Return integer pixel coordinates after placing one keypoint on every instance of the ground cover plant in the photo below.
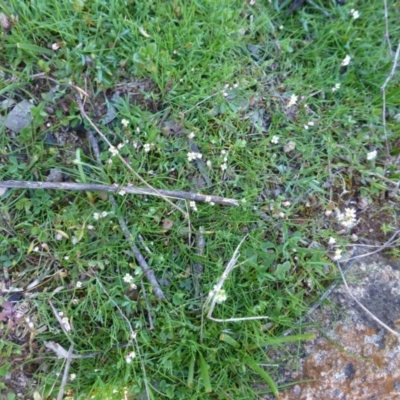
(281, 115)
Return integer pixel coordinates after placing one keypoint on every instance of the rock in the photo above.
(352, 356)
(19, 117)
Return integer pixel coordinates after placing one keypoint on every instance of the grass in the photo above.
(181, 55)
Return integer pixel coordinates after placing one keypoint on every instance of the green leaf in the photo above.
(230, 340)
(267, 378)
(204, 374)
(191, 371)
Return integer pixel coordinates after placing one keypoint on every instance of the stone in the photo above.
(19, 117)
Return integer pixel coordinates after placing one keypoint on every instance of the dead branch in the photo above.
(117, 189)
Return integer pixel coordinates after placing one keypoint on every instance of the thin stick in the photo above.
(117, 189)
(64, 380)
(147, 271)
(383, 90)
(387, 37)
(364, 308)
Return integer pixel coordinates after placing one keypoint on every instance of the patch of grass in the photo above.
(225, 71)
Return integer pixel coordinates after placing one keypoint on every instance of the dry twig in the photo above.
(116, 189)
(364, 308)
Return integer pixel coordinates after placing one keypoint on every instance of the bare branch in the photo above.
(115, 189)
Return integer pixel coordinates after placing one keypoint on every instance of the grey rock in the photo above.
(19, 117)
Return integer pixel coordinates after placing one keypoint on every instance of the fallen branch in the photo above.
(117, 189)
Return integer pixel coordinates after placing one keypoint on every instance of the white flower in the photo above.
(133, 286)
(192, 205)
(113, 151)
(129, 357)
(147, 147)
(194, 156)
(331, 241)
(224, 167)
(219, 295)
(72, 377)
(122, 192)
(293, 100)
(124, 123)
(286, 203)
(103, 214)
(346, 61)
(120, 146)
(78, 284)
(275, 139)
(310, 123)
(338, 255)
(336, 87)
(354, 13)
(74, 240)
(128, 278)
(191, 135)
(348, 218)
(223, 152)
(66, 324)
(55, 46)
(208, 199)
(109, 161)
(209, 163)
(372, 155)
(59, 236)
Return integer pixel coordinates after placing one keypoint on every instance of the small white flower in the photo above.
(306, 127)
(191, 135)
(194, 156)
(208, 199)
(346, 61)
(72, 377)
(354, 13)
(192, 205)
(372, 155)
(338, 255)
(74, 240)
(219, 295)
(286, 203)
(78, 284)
(225, 94)
(293, 100)
(147, 147)
(129, 357)
(244, 201)
(120, 146)
(348, 218)
(223, 152)
(128, 278)
(90, 227)
(236, 85)
(66, 324)
(103, 214)
(275, 139)
(124, 123)
(328, 213)
(66, 258)
(224, 167)
(55, 46)
(209, 164)
(280, 27)
(133, 286)
(109, 161)
(336, 87)
(59, 236)
(310, 123)
(113, 150)
(122, 192)
(331, 241)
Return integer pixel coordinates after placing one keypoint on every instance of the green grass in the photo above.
(187, 52)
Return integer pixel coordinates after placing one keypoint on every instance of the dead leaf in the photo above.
(143, 32)
(167, 224)
(5, 23)
(289, 146)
